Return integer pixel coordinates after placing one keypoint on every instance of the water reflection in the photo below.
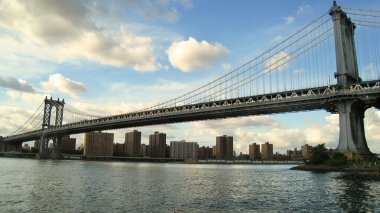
(356, 196)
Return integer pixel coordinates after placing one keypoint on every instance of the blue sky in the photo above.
(111, 57)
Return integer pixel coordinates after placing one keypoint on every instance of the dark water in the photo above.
(78, 186)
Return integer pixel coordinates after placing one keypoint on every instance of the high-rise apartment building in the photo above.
(98, 144)
(167, 151)
(267, 151)
(132, 143)
(118, 149)
(144, 150)
(157, 145)
(205, 152)
(224, 147)
(294, 154)
(183, 149)
(254, 151)
(306, 151)
(68, 144)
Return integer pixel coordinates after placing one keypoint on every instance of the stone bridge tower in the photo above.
(44, 152)
(351, 109)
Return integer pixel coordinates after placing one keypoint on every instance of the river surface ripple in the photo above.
(88, 186)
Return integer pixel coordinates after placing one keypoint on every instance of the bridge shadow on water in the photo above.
(356, 197)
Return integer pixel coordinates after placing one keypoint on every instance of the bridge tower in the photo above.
(351, 111)
(46, 124)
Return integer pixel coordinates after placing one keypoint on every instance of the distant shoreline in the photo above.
(155, 160)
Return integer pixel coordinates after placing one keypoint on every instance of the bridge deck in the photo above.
(290, 101)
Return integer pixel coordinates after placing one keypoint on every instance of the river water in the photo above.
(28, 185)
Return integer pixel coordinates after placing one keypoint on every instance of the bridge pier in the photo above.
(43, 148)
(44, 151)
(56, 152)
(352, 139)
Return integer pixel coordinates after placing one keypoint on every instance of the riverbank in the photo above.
(156, 160)
(349, 172)
(344, 168)
(17, 155)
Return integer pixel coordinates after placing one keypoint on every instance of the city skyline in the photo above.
(66, 64)
(98, 143)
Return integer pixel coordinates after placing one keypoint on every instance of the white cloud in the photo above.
(283, 138)
(251, 121)
(303, 9)
(23, 98)
(193, 55)
(321, 134)
(147, 94)
(58, 82)
(11, 119)
(16, 84)
(327, 134)
(30, 63)
(103, 109)
(125, 50)
(247, 130)
(371, 126)
(278, 62)
(289, 20)
(67, 30)
(226, 67)
(333, 119)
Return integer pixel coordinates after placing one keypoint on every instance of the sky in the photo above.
(113, 57)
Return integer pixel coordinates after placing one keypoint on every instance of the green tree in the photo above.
(319, 155)
(337, 159)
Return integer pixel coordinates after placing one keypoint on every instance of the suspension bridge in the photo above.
(332, 63)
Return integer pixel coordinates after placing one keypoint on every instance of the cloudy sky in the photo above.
(112, 57)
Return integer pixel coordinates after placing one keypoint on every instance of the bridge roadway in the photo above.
(290, 101)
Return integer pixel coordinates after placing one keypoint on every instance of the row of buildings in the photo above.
(267, 153)
(102, 144)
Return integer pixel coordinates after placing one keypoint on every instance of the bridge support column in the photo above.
(44, 152)
(43, 149)
(54, 152)
(351, 123)
(346, 61)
